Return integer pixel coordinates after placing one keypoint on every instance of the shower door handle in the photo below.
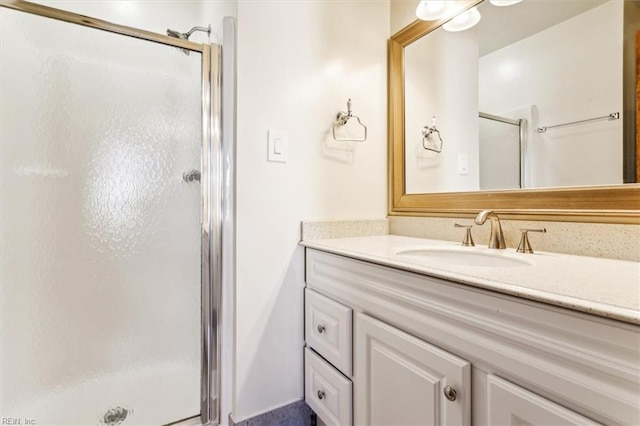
(190, 176)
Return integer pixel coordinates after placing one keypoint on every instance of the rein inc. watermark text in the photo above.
(16, 421)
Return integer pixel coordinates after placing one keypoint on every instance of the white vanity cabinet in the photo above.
(416, 339)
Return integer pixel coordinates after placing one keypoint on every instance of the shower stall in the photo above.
(110, 226)
(503, 152)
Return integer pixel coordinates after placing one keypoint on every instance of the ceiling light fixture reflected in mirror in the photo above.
(504, 2)
(431, 10)
(463, 21)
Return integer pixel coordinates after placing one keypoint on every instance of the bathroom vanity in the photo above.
(410, 331)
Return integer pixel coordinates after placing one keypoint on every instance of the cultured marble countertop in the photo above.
(604, 287)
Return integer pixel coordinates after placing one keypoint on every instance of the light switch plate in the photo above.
(277, 148)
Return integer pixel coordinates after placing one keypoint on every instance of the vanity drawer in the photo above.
(328, 330)
(327, 392)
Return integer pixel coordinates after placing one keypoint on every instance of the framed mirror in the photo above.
(531, 112)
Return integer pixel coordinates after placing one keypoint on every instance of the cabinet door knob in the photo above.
(321, 328)
(320, 394)
(450, 393)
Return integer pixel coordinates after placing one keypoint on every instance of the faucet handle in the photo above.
(525, 246)
(468, 239)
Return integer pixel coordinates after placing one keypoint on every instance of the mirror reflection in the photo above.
(513, 95)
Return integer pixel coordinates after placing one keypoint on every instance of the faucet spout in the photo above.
(496, 237)
(483, 216)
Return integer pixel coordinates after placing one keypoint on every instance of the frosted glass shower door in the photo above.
(499, 155)
(100, 234)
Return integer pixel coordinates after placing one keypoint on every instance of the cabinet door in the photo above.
(509, 404)
(401, 380)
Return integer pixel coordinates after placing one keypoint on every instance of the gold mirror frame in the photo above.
(605, 204)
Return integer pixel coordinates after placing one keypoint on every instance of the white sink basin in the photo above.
(469, 257)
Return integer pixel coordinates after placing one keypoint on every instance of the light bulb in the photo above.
(504, 2)
(431, 10)
(464, 21)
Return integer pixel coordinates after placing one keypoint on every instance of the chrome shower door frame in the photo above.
(211, 192)
(211, 233)
(522, 135)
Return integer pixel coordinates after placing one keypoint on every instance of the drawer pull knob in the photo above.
(321, 328)
(320, 394)
(450, 393)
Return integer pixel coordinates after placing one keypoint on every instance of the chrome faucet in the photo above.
(496, 238)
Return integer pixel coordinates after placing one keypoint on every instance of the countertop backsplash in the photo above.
(612, 241)
(323, 229)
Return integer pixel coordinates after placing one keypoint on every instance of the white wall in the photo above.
(403, 12)
(570, 72)
(441, 80)
(298, 62)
